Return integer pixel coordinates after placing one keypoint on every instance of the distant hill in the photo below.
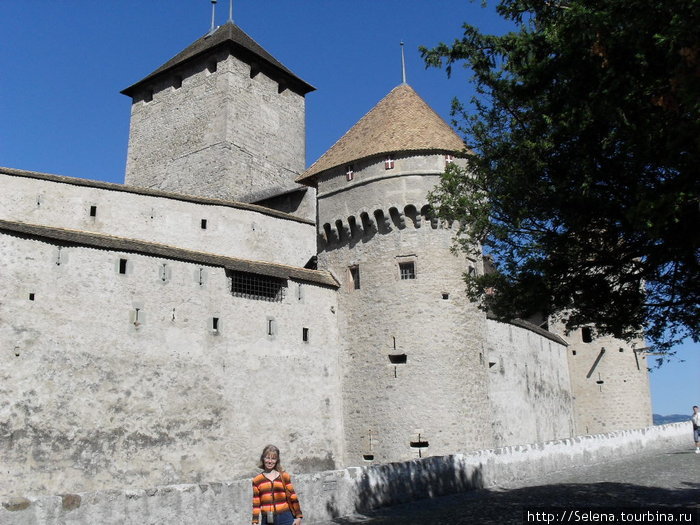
(673, 418)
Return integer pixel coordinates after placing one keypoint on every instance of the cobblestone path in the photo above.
(670, 479)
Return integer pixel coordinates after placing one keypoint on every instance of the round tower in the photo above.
(414, 372)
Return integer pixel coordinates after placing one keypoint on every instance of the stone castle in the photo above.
(225, 297)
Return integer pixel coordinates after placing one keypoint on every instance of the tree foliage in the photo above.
(582, 179)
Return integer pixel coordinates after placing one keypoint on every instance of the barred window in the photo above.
(408, 270)
(256, 286)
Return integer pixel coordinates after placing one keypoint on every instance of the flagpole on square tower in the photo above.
(213, 15)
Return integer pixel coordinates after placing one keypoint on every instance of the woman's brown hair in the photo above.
(267, 450)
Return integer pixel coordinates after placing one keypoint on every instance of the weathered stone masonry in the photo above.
(162, 332)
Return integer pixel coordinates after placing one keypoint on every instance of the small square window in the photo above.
(349, 173)
(407, 270)
(389, 162)
(354, 272)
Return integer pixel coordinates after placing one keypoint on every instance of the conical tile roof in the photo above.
(401, 121)
(238, 42)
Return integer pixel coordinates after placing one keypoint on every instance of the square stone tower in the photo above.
(222, 119)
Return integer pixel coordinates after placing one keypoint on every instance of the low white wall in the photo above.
(334, 493)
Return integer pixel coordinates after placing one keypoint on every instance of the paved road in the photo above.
(670, 479)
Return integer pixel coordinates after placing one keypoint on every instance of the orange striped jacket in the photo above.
(272, 496)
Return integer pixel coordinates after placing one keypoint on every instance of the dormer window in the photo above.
(389, 162)
(449, 159)
(349, 173)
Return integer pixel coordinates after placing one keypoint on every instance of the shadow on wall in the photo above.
(395, 483)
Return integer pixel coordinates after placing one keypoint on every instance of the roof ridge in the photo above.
(229, 33)
(151, 192)
(105, 240)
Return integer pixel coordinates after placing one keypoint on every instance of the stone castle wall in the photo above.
(609, 382)
(246, 232)
(216, 129)
(529, 386)
(414, 380)
(117, 379)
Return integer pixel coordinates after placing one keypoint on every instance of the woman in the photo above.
(274, 498)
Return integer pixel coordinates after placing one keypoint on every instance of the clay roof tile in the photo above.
(401, 121)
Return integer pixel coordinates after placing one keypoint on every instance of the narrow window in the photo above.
(407, 270)
(305, 335)
(31, 296)
(389, 162)
(587, 334)
(215, 324)
(349, 173)
(203, 224)
(122, 266)
(164, 272)
(271, 327)
(93, 211)
(354, 277)
(368, 457)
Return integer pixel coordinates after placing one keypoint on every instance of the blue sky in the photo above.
(64, 62)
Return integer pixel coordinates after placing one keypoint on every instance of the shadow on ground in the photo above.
(506, 506)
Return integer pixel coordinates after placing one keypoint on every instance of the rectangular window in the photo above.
(354, 272)
(122, 266)
(203, 224)
(215, 324)
(407, 270)
(93, 211)
(349, 173)
(587, 334)
(389, 162)
(256, 286)
(305, 335)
